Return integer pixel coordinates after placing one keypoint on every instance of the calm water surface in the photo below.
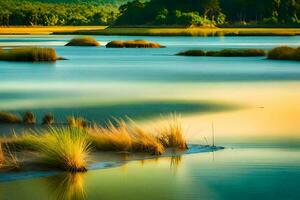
(253, 103)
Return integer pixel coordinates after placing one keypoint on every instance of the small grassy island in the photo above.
(69, 146)
(225, 53)
(83, 41)
(284, 53)
(133, 44)
(29, 54)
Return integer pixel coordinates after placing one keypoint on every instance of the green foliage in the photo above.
(13, 12)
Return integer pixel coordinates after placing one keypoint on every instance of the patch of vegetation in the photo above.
(48, 119)
(83, 41)
(29, 118)
(69, 147)
(192, 53)
(78, 122)
(133, 44)
(123, 137)
(237, 53)
(225, 53)
(29, 54)
(6, 117)
(65, 148)
(8, 161)
(284, 53)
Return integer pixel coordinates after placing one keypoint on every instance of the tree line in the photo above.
(18, 12)
(200, 12)
(144, 12)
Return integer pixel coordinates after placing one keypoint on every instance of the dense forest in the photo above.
(22, 12)
(152, 12)
(200, 12)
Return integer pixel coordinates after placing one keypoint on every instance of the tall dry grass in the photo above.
(83, 41)
(6, 117)
(32, 54)
(133, 44)
(131, 137)
(65, 148)
(8, 161)
(172, 136)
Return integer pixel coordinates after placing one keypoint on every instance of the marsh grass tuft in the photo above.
(8, 161)
(6, 117)
(284, 53)
(83, 41)
(32, 54)
(48, 119)
(172, 136)
(133, 44)
(124, 137)
(29, 118)
(78, 122)
(65, 148)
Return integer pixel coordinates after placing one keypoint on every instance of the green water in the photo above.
(253, 103)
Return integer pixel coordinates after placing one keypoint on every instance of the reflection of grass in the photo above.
(68, 186)
(83, 41)
(29, 54)
(195, 31)
(132, 44)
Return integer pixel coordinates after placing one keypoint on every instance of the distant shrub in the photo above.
(29, 54)
(284, 53)
(6, 117)
(192, 53)
(133, 44)
(237, 53)
(83, 41)
(29, 118)
(48, 119)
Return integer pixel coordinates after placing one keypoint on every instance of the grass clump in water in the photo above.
(8, 161)
(78, 122)
(29, 54)
(29, 118)
(124, 137)
(83, 41)
(192, 53)
(171, 136)
(133, 44)
(284, 53)
(225, 53)
(6, 117)
(65, 148)
(48, 119)
(237, 53)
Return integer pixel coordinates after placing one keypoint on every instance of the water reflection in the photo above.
(67, 186)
